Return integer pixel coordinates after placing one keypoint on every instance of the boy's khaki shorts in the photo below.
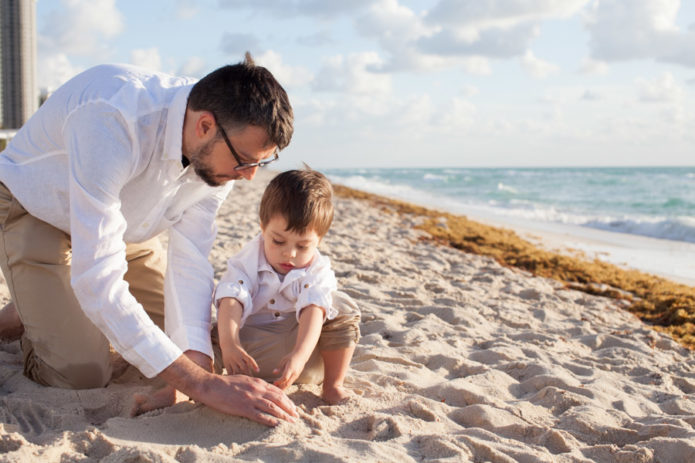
(269, 343)
(60, 344)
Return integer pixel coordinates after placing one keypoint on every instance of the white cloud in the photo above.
(192, 67)
(457, 116)
(477, 65)
(54, 71)
(485, 14)
(644, 29)
(390, 21)
(81, 27)
(591, 95)
(186, 9)
(493, 28)
(284, 8)
(236, 44)
(491, 42)
(537, 67)
(317, 39)
(663, 89)
(351, 74)
(592, 66)
(469, 90)
(288, 76)
(147, 58)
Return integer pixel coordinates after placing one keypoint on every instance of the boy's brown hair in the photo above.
(303, 197)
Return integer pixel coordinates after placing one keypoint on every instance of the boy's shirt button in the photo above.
(306, 285)
(272, 301)
(241, 282)
(277, 314)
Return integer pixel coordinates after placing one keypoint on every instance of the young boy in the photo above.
(277, 303)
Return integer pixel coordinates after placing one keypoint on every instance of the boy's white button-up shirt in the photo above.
(101, 160)
(266, 298)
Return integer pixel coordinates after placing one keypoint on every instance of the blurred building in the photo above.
(18, 91)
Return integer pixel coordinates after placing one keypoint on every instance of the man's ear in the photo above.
(205, 123)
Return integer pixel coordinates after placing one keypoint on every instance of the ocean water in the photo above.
(657, 202)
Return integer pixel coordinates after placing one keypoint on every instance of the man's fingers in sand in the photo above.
(260, 395)
(269, 410)
(279, 400)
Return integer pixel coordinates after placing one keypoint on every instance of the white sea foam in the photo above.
(677, 229)
(506, 188)
(434, 178)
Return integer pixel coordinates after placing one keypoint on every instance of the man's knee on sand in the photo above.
(88, 373)
(74, 376)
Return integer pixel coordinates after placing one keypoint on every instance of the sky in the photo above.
(417, 83)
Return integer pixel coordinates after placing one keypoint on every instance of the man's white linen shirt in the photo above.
(103, 155)
(265, 297)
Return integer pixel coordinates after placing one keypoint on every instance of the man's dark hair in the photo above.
(243, 94)
(303, 197)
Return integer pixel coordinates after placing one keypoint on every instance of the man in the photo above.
(113, 158)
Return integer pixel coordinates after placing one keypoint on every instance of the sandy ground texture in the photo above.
(460, 360)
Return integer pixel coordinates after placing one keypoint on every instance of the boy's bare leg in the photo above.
(11, 327)
(335, 366)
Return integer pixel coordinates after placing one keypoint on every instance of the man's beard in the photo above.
(198, 160)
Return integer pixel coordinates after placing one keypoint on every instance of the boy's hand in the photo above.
(289, 369)
(237, 361)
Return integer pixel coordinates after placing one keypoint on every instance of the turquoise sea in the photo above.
(657, 202)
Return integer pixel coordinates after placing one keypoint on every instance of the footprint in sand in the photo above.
(92, 444)
(374, 428)
(420, 410)
(31, 418)
(10, 441)
(439, 448)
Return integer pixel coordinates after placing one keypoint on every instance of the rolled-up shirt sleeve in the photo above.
(188, 285)
(238, 284)
(97, 227)
(316, 288)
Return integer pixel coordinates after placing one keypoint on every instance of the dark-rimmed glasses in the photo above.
(245, 165)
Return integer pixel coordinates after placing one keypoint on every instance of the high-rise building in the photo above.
(18, 92)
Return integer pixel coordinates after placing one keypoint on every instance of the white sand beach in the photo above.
(461, 360)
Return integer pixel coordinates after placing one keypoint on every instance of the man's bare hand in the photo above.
(238, 395)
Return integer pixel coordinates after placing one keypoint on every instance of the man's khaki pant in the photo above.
(61, 346)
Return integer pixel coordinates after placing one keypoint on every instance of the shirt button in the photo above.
(272, 301)
(241, 282)
(306, 285)
(277, 314)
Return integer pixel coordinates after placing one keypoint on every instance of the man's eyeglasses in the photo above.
(245, 165)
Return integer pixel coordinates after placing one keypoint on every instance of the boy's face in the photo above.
(286, 250)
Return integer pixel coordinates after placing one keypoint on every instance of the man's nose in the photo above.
(249, 173)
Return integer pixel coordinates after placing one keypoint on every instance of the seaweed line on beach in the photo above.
(667, 306)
